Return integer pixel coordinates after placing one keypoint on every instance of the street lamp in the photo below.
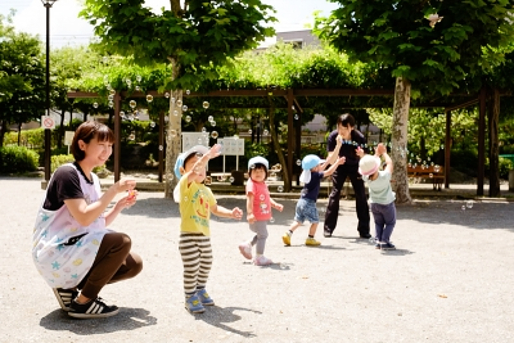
(48, 135)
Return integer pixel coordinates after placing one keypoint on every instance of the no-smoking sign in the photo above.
(47, 122)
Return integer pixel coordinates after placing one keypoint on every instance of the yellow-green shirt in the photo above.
(195, 205)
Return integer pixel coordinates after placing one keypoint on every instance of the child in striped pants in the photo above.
(196, 202)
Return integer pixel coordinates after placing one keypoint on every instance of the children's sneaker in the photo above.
(286, 238)
(65, 296)
(262, 261)
(246, 250)
(387, 246)
(194, 305)
(312, 242)
(205, 299)
(95, 308)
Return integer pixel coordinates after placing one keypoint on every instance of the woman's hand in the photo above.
(129, 200)
(125, 184)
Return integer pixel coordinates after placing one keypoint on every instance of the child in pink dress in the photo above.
(258, 206)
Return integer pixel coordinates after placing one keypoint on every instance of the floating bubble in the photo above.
(213, 123)
(469, 204)
(188, 119)
(298, 162)
(111, 104)
(167, 95)
(231, 179)
(95, 105)
(464, 207)
(166, 119)
(138, 88)
(278, 167)
(138, 78)
(152, 124)
(173, 133)
(171, 177)
(205, 104)
(296, 117)
(122, 114)
(132, 136)
(175, 113)
(173, 99)
(184, 108)
(149, 98)
(210, 118)
(161, 148)
(132, 103)
(109, 87)
(272, 220)
(250, 131)
(129, 82)
(214, 134)
(280, 189)
(208, 180)
(112, 92)
(430, 175)
(188, 92)
(204, 130)
(179, 103)
(437, 168)
(110, 97)
(265, 132)
(442, 146)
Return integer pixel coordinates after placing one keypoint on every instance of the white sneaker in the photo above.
(246, 250)
(262, 261)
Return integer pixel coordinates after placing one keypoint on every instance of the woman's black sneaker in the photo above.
(65, 296)
(95, 308)
(387, 246)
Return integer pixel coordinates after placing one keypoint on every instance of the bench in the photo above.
(433, 173)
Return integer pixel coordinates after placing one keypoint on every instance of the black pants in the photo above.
(361, 202)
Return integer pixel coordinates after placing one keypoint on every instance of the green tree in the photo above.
(191, 38)
(437, 45)
(22, 77)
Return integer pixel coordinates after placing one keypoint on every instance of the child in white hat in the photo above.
(258, 206)
(312, 174)
(381, 195)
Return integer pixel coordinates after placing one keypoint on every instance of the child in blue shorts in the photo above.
(313, 172)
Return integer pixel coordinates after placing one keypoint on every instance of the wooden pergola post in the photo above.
(481, 141)
(290, 137)
(447, 149)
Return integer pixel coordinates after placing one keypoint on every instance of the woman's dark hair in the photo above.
(257, 166)
(88, 131)
(345, 120)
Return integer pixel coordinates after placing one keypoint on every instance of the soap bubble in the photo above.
(298, 162)
(231, 179)
(210, 118)
(280, 189)
(95, 105)
(132, 103)
(205, 104)
(149, 98)
(188, 119)
(469, 204)
(214, 134)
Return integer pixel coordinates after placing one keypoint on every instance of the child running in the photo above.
(381, 195)
(258, 206)
(313, 172)
(196, 202)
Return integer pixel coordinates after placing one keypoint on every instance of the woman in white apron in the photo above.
(73, 249)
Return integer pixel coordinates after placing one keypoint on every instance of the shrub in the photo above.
(59, 160)
(18, 159)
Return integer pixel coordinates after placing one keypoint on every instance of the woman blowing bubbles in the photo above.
(73, 249)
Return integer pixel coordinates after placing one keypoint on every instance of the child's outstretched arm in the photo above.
(213, 152)
(333, 167)
(221, 211)
(381, 151)
(276, 205)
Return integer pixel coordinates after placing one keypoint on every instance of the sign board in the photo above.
(68, 137)
(190, 139)
(232, 146)
(47, 122)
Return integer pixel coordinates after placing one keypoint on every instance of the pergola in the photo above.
(294, 141)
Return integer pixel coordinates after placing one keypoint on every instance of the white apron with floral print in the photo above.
(59, 252)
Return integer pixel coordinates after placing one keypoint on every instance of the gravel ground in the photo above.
(449, 281)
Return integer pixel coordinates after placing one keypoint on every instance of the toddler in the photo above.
(196, 202)
(258, 206)
(381, 195)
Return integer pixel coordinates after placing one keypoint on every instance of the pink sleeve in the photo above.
(250, 187)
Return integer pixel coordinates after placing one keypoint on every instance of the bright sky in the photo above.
(67, 28)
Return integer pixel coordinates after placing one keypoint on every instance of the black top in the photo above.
(64, 185)
(348, 149)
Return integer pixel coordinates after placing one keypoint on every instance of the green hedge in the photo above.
(18, 159)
